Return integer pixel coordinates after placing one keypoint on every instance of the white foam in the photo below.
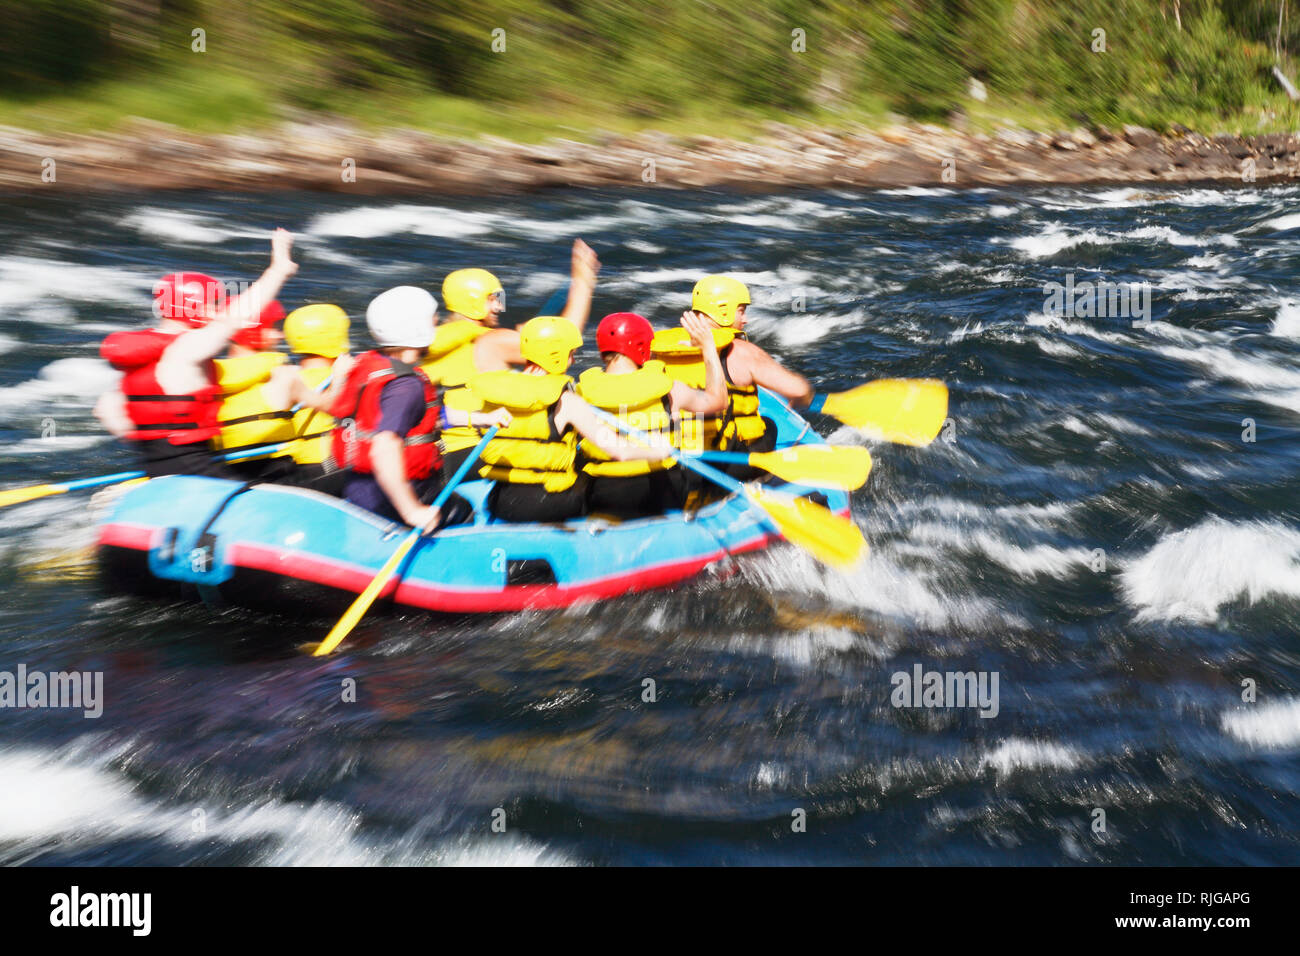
(918, 191)
(1291, 221)
(371, 222)
(82, 379)
(807, 648)
(1001, 212)
(1287, 321)
(1265, 380)
(1056, 238)
(74, 799)
(1267, 726)
(792, 331)
(1016, 753)
(186, 228)
(782, 212)
(878, 584)
(55, 444)
(1026, 561)
(1025, 514)
(30, 284)
(1190, 574)
(966, 330)
(646, 248)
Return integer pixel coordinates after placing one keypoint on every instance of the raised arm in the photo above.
(574, 411)
(211, 340)
(713, 399)
(773, 376)
(583, 269)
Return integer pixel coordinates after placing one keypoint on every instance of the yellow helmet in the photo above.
(467, 291)
(718, 297)
(549, 341)
(317, 330)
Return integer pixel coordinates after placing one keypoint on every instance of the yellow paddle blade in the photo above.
(828, 537)
(16, 496)
(844, 467)
(366, 598)
(906, 411)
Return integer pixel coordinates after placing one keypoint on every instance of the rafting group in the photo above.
(206, 386)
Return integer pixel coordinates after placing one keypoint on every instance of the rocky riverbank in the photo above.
(339, 158)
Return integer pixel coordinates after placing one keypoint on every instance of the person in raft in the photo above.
(273, 402)
(534, 458)
(636, 389)
(317, 336)
(471, 340)
(722, 302)
(388, 417)
(168, 403)
(246, 418)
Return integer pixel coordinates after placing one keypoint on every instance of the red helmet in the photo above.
(189, 297)
(627, 334)
(254, 336)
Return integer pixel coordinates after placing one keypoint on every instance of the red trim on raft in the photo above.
(122, 534)
(347, 576)
(350, 577)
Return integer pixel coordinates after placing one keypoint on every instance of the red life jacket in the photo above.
(180, 419)
(359, 402)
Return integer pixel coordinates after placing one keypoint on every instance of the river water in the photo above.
(1108, 526)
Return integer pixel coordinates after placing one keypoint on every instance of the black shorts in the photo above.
(160, 457)
(509, 502)
(635, 496)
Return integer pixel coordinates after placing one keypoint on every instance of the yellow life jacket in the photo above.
(739, 421)
(639, 399)
(449, 363)
(246, 419)
(311, 426)
(528, 451)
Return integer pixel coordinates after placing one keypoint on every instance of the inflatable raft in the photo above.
(270, 545)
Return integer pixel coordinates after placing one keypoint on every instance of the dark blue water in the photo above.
(1108, 525)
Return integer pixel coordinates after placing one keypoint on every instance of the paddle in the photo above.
(905, 411)
(843, 467)
(828, 537)
(16, 496)
(367, 597)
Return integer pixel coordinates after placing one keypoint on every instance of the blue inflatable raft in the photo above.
(288, 546)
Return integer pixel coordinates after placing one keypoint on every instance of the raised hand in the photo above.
(584, 264)
(281, 247)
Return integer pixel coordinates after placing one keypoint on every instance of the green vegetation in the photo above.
(575, 67)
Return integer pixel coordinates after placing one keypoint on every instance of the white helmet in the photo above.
(403, 317)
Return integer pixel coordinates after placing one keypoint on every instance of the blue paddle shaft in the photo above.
(736, 457)
(465, 466)
(101, 480)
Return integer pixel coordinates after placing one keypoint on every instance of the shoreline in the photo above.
(335, 157)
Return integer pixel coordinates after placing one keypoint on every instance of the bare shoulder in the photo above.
(743, 359)
(496, 349)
